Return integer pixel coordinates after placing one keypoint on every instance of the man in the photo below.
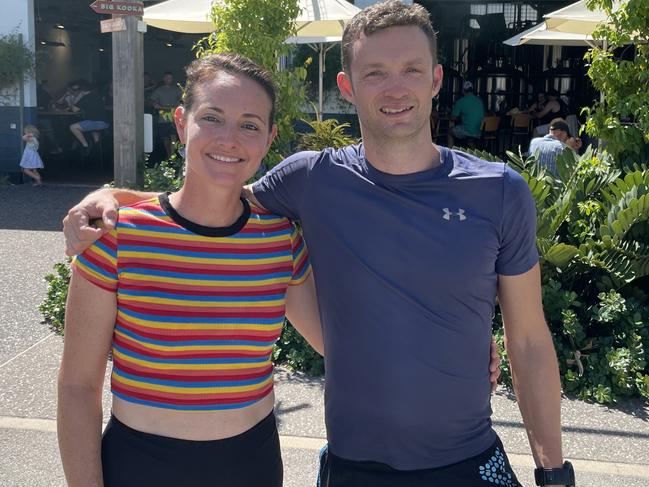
(467, 116)
(550, 146)
(165, 98)
(410, 243)
(95, 117)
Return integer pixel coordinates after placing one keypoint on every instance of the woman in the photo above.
(554, 108)
(189, 293)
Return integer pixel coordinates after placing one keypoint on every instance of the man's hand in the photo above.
(79, 234)
(574, 143)
(494, 365)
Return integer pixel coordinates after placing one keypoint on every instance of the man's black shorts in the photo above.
(489, 468)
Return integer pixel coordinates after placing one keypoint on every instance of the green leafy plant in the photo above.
(326, 133)
(592, 231)
(167, 175)
(619, 69)
(17, 61)
(53, 306)
(293, 351)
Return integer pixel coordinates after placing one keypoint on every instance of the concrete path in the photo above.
(609, 446)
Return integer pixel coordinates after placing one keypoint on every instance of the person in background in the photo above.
(467, 116)
(553, 108)
(166, 98)
(95, 117)
(31, 162)
(539, 104)
(548, 147)
(72, 95)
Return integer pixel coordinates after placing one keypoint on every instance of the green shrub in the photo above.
(326, 133)
(53, 306)
(293, 351)
(165, 176)
(593, 241)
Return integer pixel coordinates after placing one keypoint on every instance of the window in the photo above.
(511, 12)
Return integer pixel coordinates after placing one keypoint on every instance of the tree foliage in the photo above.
(257, 29)
(622, 119)
(17, 61)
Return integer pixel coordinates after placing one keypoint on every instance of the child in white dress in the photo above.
(31, 162)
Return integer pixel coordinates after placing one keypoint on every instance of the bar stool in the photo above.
(489, 133)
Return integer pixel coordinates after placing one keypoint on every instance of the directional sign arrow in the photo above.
(118, 8)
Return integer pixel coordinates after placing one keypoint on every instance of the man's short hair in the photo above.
(381, 16)
(467, 86)
(560, 124)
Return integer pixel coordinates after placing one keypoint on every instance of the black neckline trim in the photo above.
(236, 227)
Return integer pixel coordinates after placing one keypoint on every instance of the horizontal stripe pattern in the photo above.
(197, 316)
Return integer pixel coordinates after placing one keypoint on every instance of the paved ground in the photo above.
(609, 446)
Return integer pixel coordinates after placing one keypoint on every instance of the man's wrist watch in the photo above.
(555, 476)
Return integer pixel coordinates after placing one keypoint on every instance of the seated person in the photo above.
(469, 111)
(72, 95)
(553, 108)
(95, 117)
(539, 104)
(550, 146)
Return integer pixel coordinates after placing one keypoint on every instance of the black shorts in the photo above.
(132, 458)
(489, 468)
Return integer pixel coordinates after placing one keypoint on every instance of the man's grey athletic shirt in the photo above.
(406, 271)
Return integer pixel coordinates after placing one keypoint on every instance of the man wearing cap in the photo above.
(468, 111)
(549, 146)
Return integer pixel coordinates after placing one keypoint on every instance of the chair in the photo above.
(521, 123)
(489, 133)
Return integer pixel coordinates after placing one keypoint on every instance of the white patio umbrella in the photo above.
(541, 35)
(320, 22)
(188, 16)
(577, 18)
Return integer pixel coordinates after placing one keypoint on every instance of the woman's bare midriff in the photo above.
(192, 425)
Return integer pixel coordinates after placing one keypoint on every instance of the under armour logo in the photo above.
(459, 213)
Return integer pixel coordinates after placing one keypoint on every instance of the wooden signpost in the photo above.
(118, 8)
(128, 87)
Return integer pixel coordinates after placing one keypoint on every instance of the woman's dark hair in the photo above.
(208, 66)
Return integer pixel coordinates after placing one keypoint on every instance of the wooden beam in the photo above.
(128, 104)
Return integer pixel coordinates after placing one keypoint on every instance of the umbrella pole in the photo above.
(320, 76)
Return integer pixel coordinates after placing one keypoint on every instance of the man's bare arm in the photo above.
(535, 371)
(303, 313)
(80, 233)
(103, 203)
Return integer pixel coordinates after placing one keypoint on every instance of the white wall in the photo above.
(18, 16)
